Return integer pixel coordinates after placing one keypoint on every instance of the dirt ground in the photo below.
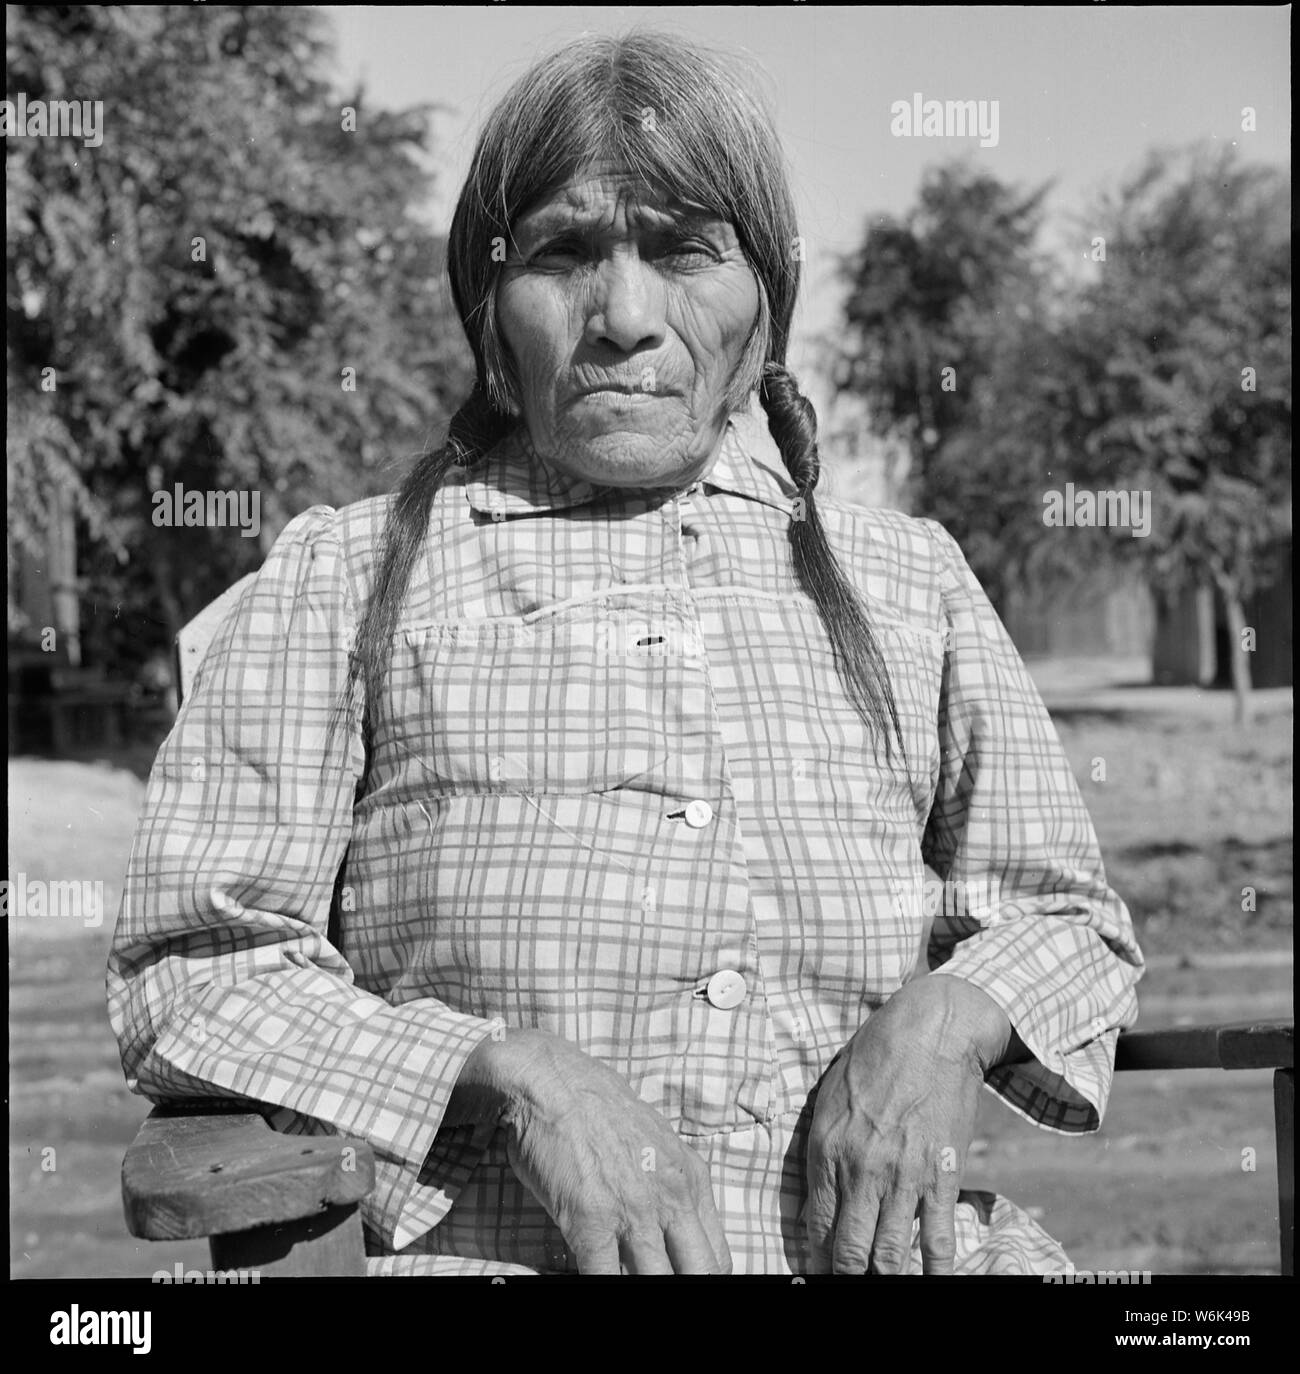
(1191, 811)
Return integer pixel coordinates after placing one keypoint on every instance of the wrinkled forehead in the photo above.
(605, 196)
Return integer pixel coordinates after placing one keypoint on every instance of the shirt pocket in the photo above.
(558, 704)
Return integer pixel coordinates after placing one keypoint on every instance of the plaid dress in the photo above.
(614, 789)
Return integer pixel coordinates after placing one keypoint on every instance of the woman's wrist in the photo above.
(495, 1078)
(964, 1017)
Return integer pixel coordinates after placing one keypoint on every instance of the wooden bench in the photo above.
(288, 1205)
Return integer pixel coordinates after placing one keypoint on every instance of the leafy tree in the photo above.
(944, 316)
(198, 283)
(1165, 371)
(1188, 324)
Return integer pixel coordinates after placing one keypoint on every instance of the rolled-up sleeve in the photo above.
(222, 981)
(1026, 913)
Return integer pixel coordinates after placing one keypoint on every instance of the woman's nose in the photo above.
(628, 307)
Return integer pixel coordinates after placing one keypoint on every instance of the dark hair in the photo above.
(713, 144)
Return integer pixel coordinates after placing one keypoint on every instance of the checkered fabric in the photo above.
(612, 759)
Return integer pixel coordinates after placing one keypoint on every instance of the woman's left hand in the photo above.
(893, 1120)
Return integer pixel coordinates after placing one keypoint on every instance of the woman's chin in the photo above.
(625, 459)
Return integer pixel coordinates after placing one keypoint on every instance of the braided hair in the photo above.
(859, 662)
(677, 115)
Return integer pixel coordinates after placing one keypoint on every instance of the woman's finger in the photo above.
(689, 1247)
(643, 1251)
(595, 1250)
(820, 1213)
(712, 1224)
(939, 1232)
(855, 1222)
(891, 1247)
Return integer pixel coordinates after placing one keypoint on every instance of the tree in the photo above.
(945, 317)
(1191, 313)
(198, 284)
(1165, 373)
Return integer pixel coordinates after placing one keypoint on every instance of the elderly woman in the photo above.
(559, 825)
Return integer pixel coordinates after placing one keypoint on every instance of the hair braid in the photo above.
(858, 659)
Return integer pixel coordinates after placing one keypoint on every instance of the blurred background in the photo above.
(1102, 299)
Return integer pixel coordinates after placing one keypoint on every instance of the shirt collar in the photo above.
(513, 480)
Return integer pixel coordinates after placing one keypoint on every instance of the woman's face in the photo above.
(626, 316)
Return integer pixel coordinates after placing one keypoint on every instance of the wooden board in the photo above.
(195, 1172)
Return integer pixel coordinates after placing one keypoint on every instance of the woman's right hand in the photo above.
(626, 1192)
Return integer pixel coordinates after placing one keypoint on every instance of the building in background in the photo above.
(1192, 642)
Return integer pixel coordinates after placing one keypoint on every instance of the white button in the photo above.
(726, 989)
(698, 813)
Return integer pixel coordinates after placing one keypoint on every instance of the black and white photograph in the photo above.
(651, 642)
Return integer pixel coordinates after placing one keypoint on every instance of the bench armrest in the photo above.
(1244, 1045)
(205, 1169)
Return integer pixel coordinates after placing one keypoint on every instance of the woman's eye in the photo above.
(690, 248)
(560, 250)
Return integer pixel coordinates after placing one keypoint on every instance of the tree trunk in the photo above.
(1237, 654)
(61, 567)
